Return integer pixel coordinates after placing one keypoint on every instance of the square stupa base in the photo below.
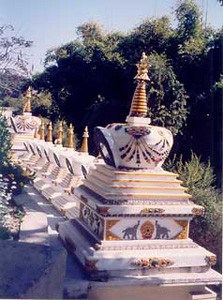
(103, 260)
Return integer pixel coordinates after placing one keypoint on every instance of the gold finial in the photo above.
(142, 66)
(84, 146)
(70, 137)
(60, 134)
(42, 130)
(139, 101)
(49, 137)
(36, 135)
(27, 106)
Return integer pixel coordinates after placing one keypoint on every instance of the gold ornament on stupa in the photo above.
(27, 106)
(49, 137)
(36, 135)
(139, 101)
(60, 134)
(84, 146)
(42, 130)
(70, 137)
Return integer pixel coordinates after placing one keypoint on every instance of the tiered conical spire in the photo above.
(84, 146)
(139, 101)
(60, 134)
(49, 137)
(70, 137)
(42, 130)
(27, 106)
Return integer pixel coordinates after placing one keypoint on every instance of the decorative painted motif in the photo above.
(47, 157)
(25, 123)
(92, 220)
(32, 150)
(136, 148)
(39, 152)
(133, 147)
(153, 263)
(198, 211)
(26, 147)
(161, 231)
(110, 235)
(102, 144)
(84, 171)
(211, 260)
(56, 160)
(69, 166)
(184, 233)
(147, 230)
(147, 210)
(131, 232)
(102, 210)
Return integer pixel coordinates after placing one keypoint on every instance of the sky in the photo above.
(51, 23)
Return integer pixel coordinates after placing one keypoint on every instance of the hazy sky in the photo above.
(50, 23)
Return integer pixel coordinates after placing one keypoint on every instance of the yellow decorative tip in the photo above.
(49, 137)
(27, 106)
(42, 130)
(60, 134)
(70, 137)
(142, 66)
(36, 135)
(139, 101)
(84, 146)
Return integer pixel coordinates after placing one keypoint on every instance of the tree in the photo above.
(13, 61)
(91, 77)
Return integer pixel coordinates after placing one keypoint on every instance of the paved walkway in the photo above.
(38, 226)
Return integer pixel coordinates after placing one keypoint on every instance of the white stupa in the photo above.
(133, 222)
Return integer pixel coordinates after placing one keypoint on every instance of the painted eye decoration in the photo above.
(47, 157)
(69, 166)
(84, 171)
(33, 152)
(39, 152)
(56, 160)
(103, 147)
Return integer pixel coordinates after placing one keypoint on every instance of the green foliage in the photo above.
(167, 96)
(5, 142)
(199, 178)
(16, 177)
(189, 20)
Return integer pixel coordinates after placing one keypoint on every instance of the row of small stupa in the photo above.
(41, 134)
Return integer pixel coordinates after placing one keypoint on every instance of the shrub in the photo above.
(199, 178)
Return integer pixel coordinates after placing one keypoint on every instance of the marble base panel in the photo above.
(151, 257)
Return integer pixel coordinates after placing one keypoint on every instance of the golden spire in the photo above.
(60, 134)
(139, 101)
(70, 137)
(49, 137)
(84, 146)
(42, 130)
(27, 106)
(36, 135)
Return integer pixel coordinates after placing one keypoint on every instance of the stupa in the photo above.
(23, 127)
(133, 219)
